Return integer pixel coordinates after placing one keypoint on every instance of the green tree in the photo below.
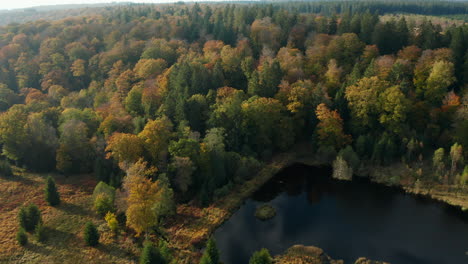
(438, 82)
(91, 235)
(261, 257)
(211, 253)
(151, 255)
(52, 195)
(29, 217)
(22, 237)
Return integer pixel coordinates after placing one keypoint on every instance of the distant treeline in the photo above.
(436, 8)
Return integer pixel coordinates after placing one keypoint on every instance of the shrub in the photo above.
(151, 255)
(211, 254)
(22, 237)
(91, 235)
(112, 222)
(261, 257)
(39, 233)
(29, 217)
(5, 169)
(52, 196)
(103, 204)
(104, 198)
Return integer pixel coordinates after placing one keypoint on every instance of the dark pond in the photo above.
(346, 219)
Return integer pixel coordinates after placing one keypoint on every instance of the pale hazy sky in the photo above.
(10, 4)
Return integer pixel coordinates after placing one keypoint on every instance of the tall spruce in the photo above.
(151, 255)
(91, 235)
(52, 195)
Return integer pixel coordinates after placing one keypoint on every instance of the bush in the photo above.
(39, 233)
(112, 222)
(91, 235)
(29, 217)
(211, 254)
(22, 237)
(5, 169)
(151, 255)
(261, 257)
(104, 198)
(52, 196)
(103, 204)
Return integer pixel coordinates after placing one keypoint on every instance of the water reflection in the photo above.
(347, 220)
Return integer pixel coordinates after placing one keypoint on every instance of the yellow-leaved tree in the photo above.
(147, 200)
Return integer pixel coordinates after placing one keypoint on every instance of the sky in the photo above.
(11, 4)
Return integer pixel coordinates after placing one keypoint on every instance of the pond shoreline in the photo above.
(193, 225)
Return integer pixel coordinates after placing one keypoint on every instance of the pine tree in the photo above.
(261, 257)
(211, 254)
(52, 195)
(29, 217)
(151, 255)
(91, 235)
(22, 237)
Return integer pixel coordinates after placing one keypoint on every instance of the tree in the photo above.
(75, 153)
(52, 195)
(440, 78)
(91, 235)
(456, 156)
(261, 257)
(104, 196)
(211, 253)
(330, 128)
(29, 217)
(341, 170)
(125, 148)
(156, 136)
(393, 107)
(112, 222)
(22, 237)
(151, 255)
(438, 161)
(148, 201)
(362, 99)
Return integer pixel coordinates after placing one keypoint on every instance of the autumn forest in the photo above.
(158, 110)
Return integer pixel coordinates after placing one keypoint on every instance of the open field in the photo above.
(64, 224)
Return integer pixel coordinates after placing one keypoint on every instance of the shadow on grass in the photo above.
(74, 209)
(39, 248)
(19, 178)
(113, 250)
(58, 238)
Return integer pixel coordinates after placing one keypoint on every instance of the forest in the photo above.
(177, 104)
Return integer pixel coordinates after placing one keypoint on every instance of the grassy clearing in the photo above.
(63, 224)
(444, 22)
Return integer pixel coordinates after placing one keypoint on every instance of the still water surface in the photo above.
(346, 219)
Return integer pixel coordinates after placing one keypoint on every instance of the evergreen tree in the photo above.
(29, 217)
(52, 195)
(22, 237)
(91, 235)
(151, 255)
(261, 257)
(211, 254)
